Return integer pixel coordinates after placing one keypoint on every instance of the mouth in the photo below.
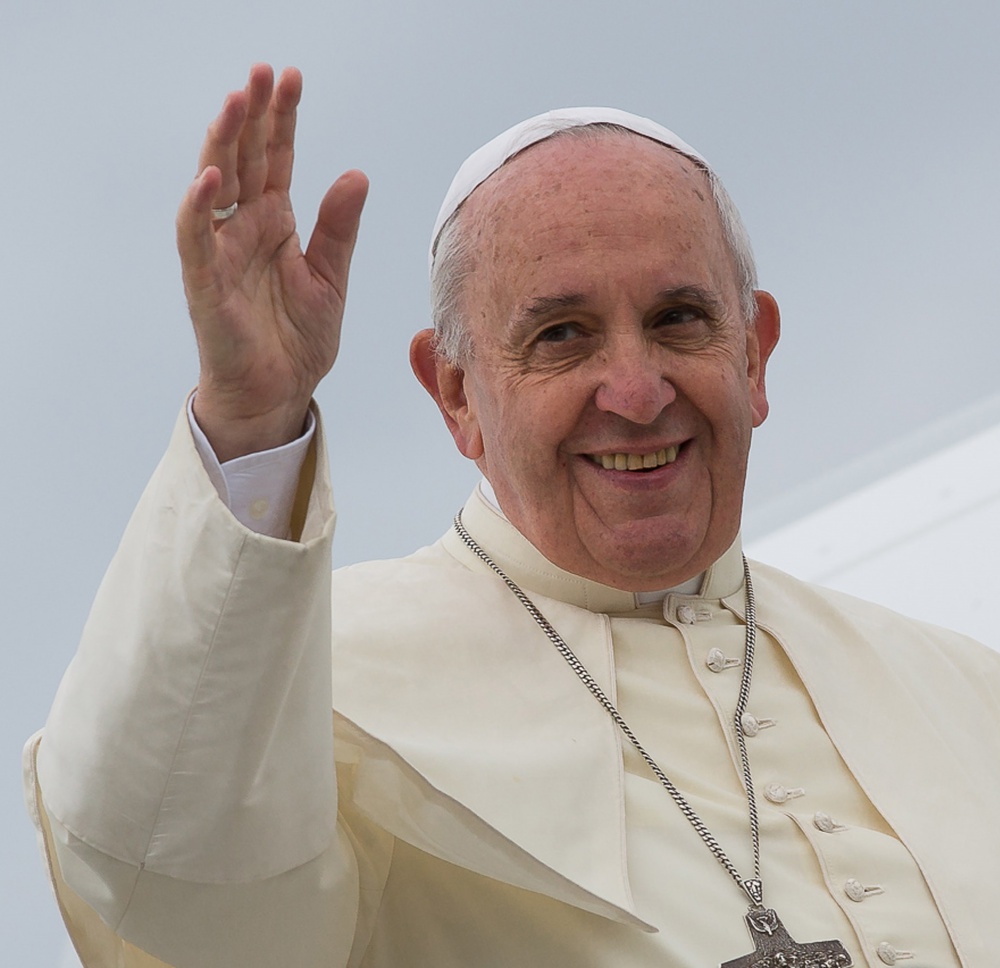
(636, 462)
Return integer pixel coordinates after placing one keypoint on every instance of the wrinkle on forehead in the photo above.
(546, 169)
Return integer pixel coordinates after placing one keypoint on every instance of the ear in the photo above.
(445, 382)
(761, 340)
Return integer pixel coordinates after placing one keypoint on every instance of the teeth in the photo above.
(636, 462)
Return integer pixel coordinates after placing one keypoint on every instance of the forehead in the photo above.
(636, 169)
(561, 200)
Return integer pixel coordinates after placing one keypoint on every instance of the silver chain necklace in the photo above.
(774, 947)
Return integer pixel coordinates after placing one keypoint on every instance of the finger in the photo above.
(221, 146)
(252, 150)
(332, 242)
(195, 234)
(281, 142)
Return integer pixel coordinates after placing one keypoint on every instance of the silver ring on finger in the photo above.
(221, 214)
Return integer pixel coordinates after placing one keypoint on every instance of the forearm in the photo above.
(191, 737)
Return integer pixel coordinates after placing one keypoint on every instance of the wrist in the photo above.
(235, 432)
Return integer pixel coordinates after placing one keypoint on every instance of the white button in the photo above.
(857, 891)
(777, 793)
(826, 823)
(751, 725)
(890, 955)
(259, 508)
(716, 661)
(685, 614)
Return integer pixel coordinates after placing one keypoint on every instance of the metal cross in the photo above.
(776, 948)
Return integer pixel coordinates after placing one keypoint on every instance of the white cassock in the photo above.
(487, 812)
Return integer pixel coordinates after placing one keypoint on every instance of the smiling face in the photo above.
(613, 382)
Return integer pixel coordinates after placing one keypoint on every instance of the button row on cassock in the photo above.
(717, 661)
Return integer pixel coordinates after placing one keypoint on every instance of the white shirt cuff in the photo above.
(258, 488)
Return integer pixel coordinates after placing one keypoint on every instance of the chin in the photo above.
(648, 563)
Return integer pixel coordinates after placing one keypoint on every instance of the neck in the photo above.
(533, 571)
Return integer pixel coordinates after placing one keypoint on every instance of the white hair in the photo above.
(454, 262)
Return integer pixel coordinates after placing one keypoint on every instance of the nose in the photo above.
(632, 383)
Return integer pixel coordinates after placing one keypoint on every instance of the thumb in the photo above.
(195, 235)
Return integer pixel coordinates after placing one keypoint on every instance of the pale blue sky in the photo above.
(859, 139)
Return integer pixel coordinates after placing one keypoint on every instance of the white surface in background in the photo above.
(922, 540)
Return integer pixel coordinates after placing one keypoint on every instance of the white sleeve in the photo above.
(259, 488)
(186, 767)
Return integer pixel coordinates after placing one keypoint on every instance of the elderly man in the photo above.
(578, 730)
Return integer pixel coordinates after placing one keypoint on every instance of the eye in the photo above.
(677, 316)
(559, 333)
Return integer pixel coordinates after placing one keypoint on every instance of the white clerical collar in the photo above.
(690, 587)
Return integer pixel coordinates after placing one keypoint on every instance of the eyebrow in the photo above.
(693, 294)
(543, 306)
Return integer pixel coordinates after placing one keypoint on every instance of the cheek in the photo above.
(503, 438)
(523, 445)
(722, 393)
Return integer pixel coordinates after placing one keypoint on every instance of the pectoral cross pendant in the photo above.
(776, 948)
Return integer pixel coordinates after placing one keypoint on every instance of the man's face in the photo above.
(614, 381)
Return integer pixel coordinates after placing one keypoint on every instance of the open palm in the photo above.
(267, 314)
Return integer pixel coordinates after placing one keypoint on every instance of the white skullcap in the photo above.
(486, 160)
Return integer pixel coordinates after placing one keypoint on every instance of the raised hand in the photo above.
(266, 314)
